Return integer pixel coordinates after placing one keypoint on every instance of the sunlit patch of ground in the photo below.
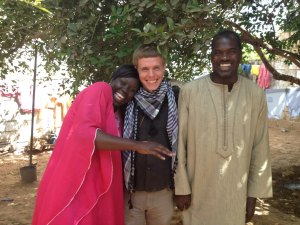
(17, 199)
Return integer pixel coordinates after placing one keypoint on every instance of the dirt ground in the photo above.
(17, 198)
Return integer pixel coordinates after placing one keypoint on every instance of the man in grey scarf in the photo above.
(151, 116)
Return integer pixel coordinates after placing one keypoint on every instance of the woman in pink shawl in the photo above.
(82, 183)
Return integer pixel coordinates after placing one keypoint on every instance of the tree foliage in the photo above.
(95, 36)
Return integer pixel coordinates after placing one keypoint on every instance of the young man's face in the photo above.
(225, 57)
(151, 72)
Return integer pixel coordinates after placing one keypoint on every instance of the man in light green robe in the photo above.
(223, 146)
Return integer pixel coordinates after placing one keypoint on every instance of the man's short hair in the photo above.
(146, 51)
(227, 34)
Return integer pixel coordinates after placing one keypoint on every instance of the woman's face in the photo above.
(124, 89)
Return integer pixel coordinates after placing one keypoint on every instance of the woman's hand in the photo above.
(153, 148)
(106, 141)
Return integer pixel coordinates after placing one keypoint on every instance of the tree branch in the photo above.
(273, 71)
(256, 42)
(94, 30)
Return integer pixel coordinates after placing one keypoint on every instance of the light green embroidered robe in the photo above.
(223, 150)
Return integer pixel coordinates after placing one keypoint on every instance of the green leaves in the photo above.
(72, 29)
(93, 37)
(149, 28)
(170, 23)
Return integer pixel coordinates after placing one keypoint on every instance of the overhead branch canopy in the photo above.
(93, 37)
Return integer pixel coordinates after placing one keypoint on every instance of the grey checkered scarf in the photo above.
(150, 103)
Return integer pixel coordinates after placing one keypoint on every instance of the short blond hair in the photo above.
(146, 51)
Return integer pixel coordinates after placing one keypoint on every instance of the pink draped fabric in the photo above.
(82, 185)
(263, 77)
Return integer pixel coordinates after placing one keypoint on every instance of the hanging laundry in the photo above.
(254, 70)
(263, 77)
(247, 68)
(276, 100)
(293, 101)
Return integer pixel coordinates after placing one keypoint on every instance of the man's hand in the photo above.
(153, 148)
(183, 201)
(250, 208)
